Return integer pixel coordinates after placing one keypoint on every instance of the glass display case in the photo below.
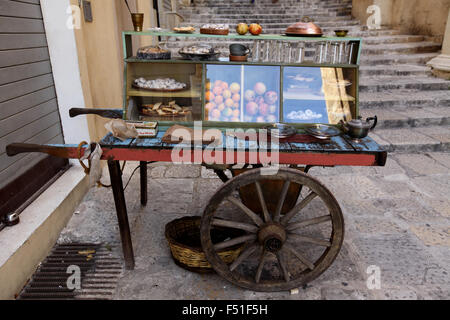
(256, 92)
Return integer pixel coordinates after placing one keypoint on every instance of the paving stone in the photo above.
(158, 172)
(391, 168)
(183, 171)
(408, 140)
(377, 226)
(400, 294)
(437, 186)
(433, 236)
(436, 292)
(442, 158)
(170, 195)
(343, 294)
(440, 133)
(412, 210)
(442, 206)
(343, 270)
(421, 164)
(204, 190)
(393, 255)
(353, 186)
(381, 141)
(210, 174)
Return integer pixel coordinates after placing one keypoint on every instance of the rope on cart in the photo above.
(87, 169)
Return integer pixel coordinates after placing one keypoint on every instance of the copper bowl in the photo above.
(238, 58)
(304, 28)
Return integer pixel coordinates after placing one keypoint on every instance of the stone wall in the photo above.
(424, 17)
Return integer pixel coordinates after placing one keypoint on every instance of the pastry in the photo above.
(153, 53)
(184, 29)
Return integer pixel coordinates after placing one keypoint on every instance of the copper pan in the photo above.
(304, 28)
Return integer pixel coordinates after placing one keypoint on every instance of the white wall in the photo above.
(66, 73)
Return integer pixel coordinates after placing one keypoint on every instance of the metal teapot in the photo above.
(357, 128)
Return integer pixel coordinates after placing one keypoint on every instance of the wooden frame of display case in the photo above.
(130, 59)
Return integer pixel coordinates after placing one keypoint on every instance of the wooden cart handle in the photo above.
(105, 113)
(57, 151)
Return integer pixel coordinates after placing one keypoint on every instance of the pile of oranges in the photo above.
(223, 101)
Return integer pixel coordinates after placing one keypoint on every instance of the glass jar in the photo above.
(320, 55)
(256, 51)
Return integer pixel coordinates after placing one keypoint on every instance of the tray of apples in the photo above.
(223, 101)
(260, 104)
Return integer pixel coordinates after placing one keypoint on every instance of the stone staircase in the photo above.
(413, 107)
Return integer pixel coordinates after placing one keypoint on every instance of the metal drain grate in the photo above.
(57, 276)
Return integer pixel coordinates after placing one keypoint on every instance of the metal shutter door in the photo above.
(28, 104)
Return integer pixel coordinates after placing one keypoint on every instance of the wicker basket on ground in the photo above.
(183, 236)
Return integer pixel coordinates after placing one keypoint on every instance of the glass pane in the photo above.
(261, 93)
(223, 93)
(164, 92)
(318, 95)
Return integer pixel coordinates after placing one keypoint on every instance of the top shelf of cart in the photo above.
(236, 36)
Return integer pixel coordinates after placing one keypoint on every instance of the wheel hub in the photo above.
(272, 236)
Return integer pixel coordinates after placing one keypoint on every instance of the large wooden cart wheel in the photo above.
(282, 249)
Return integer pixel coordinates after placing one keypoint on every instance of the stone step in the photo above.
(269, 24)
(378, 32)
(402, 48)
(389, 60)
(385, 83)
(414, 140)
(392, 39)
(318, 18)
(402, 117)
(394, 70)
(404, 98)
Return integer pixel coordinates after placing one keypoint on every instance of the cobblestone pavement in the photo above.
(397, 218)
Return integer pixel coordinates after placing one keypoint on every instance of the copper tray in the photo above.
(160, 90)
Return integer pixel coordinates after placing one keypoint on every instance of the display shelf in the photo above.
(237, 36)
(259, 63)
(248, 94)
(178, 94)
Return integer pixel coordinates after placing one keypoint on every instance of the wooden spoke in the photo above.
(245, 254)
(283, 266)
(300, 257)
(320, 242)
(236, 225)
(310, 222)
(232, 242)
(246, 210)
(284, 192)
(298, 207)
(263, 202)
(261, 266)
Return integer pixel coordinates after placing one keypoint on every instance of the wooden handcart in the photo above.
(291, 225)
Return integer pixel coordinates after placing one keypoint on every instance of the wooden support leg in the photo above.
(143, 183)
(121, 209)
